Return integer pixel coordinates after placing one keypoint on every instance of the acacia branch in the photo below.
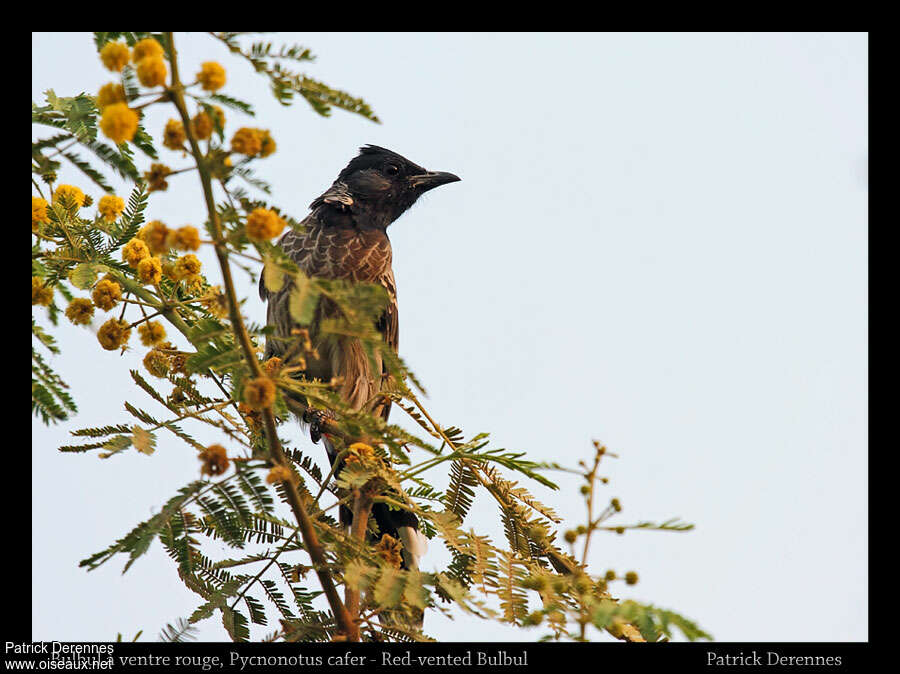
(307, 530)
(362, 506)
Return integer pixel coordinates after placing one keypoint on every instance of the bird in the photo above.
(345, 237)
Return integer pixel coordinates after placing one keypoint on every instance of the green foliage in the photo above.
(49, 399)
(286, 83)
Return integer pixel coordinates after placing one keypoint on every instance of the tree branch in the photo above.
(307, 530)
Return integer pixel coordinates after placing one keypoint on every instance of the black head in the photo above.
(378, 186)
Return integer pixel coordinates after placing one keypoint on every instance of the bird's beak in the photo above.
(432, 179)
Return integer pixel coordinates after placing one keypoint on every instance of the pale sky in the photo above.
(659, 242)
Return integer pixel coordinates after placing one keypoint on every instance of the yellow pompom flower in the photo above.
(215, 460)
(111, 207)
(267, 143)
(80, 311)
(110, 93)
(187, 266)
(106, 294)
(203, 125)
(146, 48)
(280, 473)
(246, 141)
(157, 363)
(272, 366)
(193, 283)
(70, 193)
(119, 123)
(156, 177)
(40, 294)
(113, 334)
(263, 224)
(151, 332)
(134, 251)
(216, 302)
(390, 550)
(178, 360)
(174, 135)
(115, 55)
(184, 238)
(151, 71)
(360, 453)
(38, 213)
(155, 234)
(211, 76)
(149, 271)
(259, 393)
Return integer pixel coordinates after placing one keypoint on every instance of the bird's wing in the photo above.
(298, 246)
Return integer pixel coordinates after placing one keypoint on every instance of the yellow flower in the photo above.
(252, 417)
(259, 393)
(361, 453)
(215, 460)
(148, 47)
(178, 360)
(106, 294)
(184, 238)
(173, 135)
(156, 177)
(80, 311)
(40, 294)
(113, 334)
(38, 213)
(187, 266)
(70, 193)
(156, 363)
(193, 283)
(272, 366)
(151, 332)
(119, 123)
(115, 55)
(216, 303)
(151, 71)
(246, 141)
(211, 76)
(631, 578)
(111, 207)
(263, 224)
(203, 125)
(280, 473)
(389, 549)
(110, 93)
(268, 143)
(134, 251)
(155, 235)
(149, 271)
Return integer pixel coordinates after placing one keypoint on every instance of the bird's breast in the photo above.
(346, 253)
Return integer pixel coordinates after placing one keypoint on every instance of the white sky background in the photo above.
(659, 241)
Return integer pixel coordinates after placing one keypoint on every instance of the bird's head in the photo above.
(378, 186)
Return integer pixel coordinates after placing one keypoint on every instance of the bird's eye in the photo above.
(392, 169)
